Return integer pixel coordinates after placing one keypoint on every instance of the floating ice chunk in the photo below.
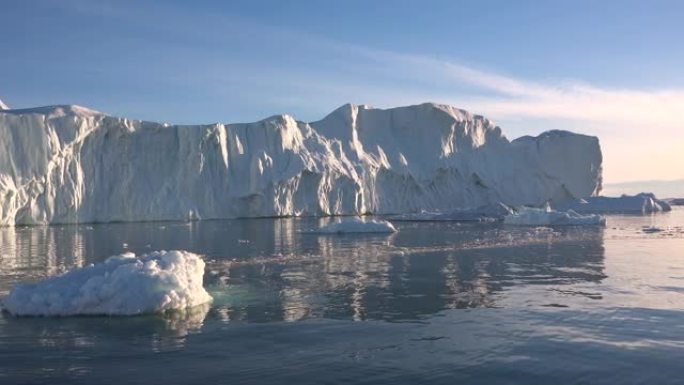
(121, 285)
(488, 213)
(527, 216)
(644, 203)
(357, 225)
(432, 216)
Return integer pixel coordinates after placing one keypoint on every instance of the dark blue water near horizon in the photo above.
(436, 303)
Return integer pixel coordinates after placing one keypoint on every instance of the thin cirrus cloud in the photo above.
(386, 78)
(508, 97)
(289, 60)
(641, 131)
(231, 64)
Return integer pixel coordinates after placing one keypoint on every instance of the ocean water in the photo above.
(436, 303)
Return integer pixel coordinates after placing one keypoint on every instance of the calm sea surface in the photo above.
(435, 303)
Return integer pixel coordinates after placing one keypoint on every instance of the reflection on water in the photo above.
(165, 331)
(440, 301)
(36, 252)
(383, 279)
(268, 270)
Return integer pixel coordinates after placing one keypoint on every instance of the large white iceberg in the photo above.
(529, 216)
(357, 225)
(122, 285)
(69, 164)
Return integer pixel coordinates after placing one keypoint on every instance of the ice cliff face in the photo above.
(68, 164)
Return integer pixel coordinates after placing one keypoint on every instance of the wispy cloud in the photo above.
(228, 60)
(510, 97)
(289, 60)
(641, 131)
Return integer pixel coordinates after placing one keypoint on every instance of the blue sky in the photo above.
(607, 68)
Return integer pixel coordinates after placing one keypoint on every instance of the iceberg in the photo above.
(356, 225)
(644, 203)
(122, 285)
(529, 216)
(70, 164)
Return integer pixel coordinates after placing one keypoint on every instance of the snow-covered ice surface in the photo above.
(644, 203)
(69, 164)
(528, 216)
(122, 285)
(356, 225)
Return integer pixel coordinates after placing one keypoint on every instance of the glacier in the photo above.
(70, 164)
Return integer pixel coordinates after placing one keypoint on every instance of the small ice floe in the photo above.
(122, 285)
(527, 216)
(356, 225)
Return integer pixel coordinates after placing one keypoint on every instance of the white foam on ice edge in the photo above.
(122, 285)
(356, 225)
(528, 216)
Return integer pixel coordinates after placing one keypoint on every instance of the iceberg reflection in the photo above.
(262, 270)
